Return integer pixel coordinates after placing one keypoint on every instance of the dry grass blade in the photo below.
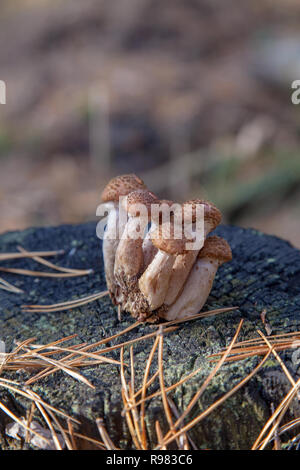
(104, 435)
(289, 426)
(64, 305)
(28, 272)
(162, 384)
(134, 412)
(177, 415)
(49, 424)
(159, 436)
(210, 377)
(79, 353)
(278, 413)
(182, 440)
(21, 423)
(125, 398)
(72, 436)
(207, 314)
(47, 263)
(9, 287)
(283, 366)
(91, 440)
(84, 348)
(29, 420)
(258, 346)
(168, 389)
(54, 419)
(144, 391)
(65, 368)
(29, 254)
(201, 416)
(68, 302)
(293, 383)
(135, 340)
(26, 393)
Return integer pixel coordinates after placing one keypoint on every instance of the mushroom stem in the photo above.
(149, 250)
(129, 253)
(114, 230)
(154, 281)
(198, 285)
(118, 187)
(181, 269)
(195, 291)
(184, 263)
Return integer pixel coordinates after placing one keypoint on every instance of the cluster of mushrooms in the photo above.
(154, 276)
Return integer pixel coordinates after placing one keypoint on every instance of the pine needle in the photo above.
(144, 391)
(29, 254)
(168, 389)
(28, 272)
(207, 314)
(47, 263)
(279, 412)
(21, 423)
(201, 416)
(104, 435)
(258, 346)
(125, 398)
(167, 410)
(64, 305)
(9, 287)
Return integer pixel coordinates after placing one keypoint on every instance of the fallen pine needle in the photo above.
(29, 254)
(64, 305)
(28, 272)
(201, 416)
(200, 315)
(105, 437)
(47, 263)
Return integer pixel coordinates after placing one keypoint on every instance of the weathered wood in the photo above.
(264, 274)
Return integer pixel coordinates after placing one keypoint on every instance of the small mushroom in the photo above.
(116, 188)
(154, 281)
(129, 254)
(149, 250)
(184, 263)
(214, 253)
(212, 215)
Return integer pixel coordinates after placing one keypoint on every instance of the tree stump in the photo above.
(264, 275)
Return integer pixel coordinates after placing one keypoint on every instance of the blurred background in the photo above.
(194, 96)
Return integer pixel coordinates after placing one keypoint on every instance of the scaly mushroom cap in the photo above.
(212, 215)
(216, 248)
(163, 238)
(121, 186)
(139, 196)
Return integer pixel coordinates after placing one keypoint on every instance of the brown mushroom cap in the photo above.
(121, 186)
(216, 248)
(163, 238)
(140, 196)
(211, 212)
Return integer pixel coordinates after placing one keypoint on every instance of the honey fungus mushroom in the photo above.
(129, 254)
(154, 281)
(149, 249)
(116, 188)
(214, 253)
(184, 262)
